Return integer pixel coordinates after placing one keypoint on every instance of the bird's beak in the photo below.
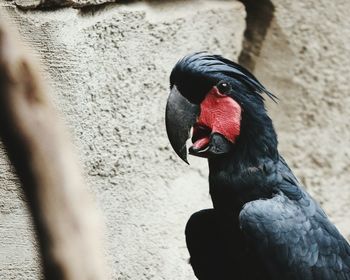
(180, 116)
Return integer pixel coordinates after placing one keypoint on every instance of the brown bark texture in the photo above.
(66, 222)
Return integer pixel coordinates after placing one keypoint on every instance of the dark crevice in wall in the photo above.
(80, 4)
(90, 10)
(259, 16)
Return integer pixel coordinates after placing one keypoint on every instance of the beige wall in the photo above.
(109, 68)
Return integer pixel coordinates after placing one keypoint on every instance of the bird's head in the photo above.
(220, 102)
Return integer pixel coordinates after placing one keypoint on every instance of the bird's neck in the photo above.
(248, 173)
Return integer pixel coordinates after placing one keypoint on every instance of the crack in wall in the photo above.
(259, 16)
(80, 4)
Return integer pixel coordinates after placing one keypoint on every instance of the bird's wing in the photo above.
(218, 250)
(295, 239)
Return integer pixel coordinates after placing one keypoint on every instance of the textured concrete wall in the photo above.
(109, 69)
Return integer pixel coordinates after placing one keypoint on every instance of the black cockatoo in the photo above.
(263, 225)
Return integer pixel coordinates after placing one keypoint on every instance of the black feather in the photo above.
(195, 74)
(264, 225)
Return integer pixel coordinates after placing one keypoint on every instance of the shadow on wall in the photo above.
(258, 20)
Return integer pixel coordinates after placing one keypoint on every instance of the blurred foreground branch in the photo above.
(38, 146)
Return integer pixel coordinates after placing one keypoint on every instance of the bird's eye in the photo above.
(223, 87)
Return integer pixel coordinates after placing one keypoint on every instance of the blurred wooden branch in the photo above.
(66, 222)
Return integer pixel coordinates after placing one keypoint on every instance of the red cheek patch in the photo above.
(221, 114)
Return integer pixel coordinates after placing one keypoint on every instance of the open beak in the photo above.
(215, 122)
(180, 116)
